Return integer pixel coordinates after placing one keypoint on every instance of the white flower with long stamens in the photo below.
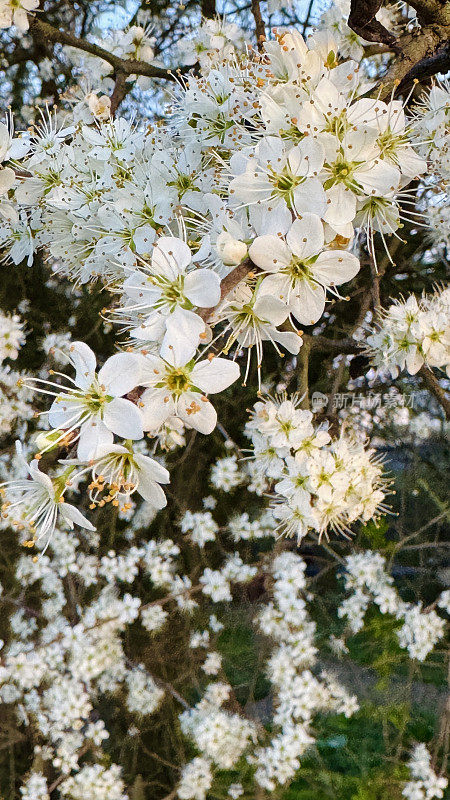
(118, 472)
(354, 169)
(252, 319)
(164, 293)
(296, 485)
(395, 143)
(411, 333)
(301, 269)
(9, 148)
(279, 175)
(36, 502)
(95, 404)
(176, 388)
(295, 517)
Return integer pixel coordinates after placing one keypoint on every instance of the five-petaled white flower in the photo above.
(35, 502)
(164, 293)
(176, 388)
(279, 175)
(301, 269)
(96, 403)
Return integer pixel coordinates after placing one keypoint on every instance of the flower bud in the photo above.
(47, 440)
(99, 106)
(232, 251)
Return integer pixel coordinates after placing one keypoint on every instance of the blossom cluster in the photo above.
(55, 668)
(425, 784)
(94, 408)
(272, 157)
(134, 43)
(299, 693)
(266, 172)
(433, 126)
(12, 336)
(214, 41)
(321, 483)
(412, 333)
(223, 737)
(366, 577)
(219, 231)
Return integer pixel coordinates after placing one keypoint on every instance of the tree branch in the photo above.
(423, 46)
(259, 24)
(120, 91)
(228, 284)
(303, 373)
(125, 66)
(346, 346)
(423, 52)
(362, 20)
(436, 389)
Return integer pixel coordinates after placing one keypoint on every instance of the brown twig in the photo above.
(120, 91)
(436, 389)
(228, 284)
(259, 24)
(346, 346)
(376, 276)
(125, 66)
(303, 373)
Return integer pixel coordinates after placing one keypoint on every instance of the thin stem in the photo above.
(303, 374)
(125, 66)
(259, 24)
(120, 91)
(228, 284)
(436, 389)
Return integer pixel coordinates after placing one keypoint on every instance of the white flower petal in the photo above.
(270, 309)
(306, 236)
(197, 413)
(335, 266)
(7, 178)
(152, 468)
(152, 492)
(341, 205)
(308, 302)
(202, 287)
(378, 178)
(183, 329)
(310, 196)
(123, 418)
(84, 361)
(291, 341)
(93, 435)
(73, 515)
(170, 257)
(64, 413)
(143, 238)
(120, 374)
(215, 375)
(269, 253)
(156, 407)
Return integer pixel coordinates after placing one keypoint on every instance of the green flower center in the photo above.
(177, 381)
(95, 399)
(284, 182)
(342, 171)
(298, 270)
